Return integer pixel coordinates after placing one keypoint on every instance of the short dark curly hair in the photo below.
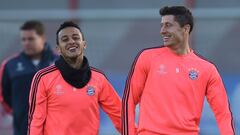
(65, 25)
(181, 14)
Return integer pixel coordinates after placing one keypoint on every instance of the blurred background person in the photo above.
(18, 71)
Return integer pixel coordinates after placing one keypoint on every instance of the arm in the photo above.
(132, 94)
(217, 98)
(5, 88)
(111, 103)
(37, 106)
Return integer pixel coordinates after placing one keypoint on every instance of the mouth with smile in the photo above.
(72, 48)
(166, 38)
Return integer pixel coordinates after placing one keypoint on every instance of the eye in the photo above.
(76, 38)
(64, 39)
(27, 39)
(31, 38)
(165, 25)
(168, 25)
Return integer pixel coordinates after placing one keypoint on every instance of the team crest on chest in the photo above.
(90, 91)
(193, 74)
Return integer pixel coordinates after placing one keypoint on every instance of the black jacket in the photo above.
(16, 82)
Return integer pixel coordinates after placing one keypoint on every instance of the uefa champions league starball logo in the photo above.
(90, 91)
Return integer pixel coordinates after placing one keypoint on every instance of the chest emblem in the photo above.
(90, 91)
(193, 74)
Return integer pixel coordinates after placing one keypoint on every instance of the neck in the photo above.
(181, 49)
(35, 56)
(75, 63)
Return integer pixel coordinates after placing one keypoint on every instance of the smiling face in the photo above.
(70, 43)
(171, 31)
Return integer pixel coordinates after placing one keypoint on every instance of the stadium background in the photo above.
(116, 30)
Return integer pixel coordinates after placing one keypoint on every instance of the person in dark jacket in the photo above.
(17, 73)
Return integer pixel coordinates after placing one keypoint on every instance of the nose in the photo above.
(25, 42)
(162, 30)
(71, 40)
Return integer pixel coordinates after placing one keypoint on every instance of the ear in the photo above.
(84, 44)
(187, 28)
(58, 49)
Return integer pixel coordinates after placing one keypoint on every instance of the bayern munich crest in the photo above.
(193, 74)
(90, 91)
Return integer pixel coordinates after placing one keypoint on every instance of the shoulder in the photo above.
(49, 51)
(151, 50)
(204, 61)
(11, 60)
(146, 54)
(48, 72)
(99, 74)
